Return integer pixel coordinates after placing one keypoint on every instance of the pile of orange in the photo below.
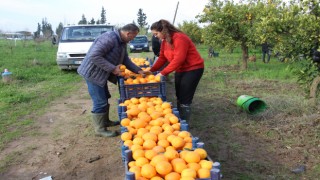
(139, 79)
(140, 61)
(160, 149)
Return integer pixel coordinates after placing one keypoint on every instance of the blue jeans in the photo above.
(99, 96)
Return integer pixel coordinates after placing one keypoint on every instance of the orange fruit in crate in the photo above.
(176, 126)
(151, 77)
(157, 159)
(141, 132)
(157, 178)
(127, 102)
(166, 105)
(188, 146)
(145, 117)
(125, 122)
(188, 140)
(188, 172)
(126, 136)
(192, 157)
(183, 154)
(132, 130)
(149, 144)
(178, 142)
(150, 136)
(172, 176)
(136, 170)
(171, 154)
(141, 161)
(159, 149)
(202, 152)
(206, 164)
(135, 100)
(143, 80)
(148, 171)
(177, 160)
(155, 115)
(131, 164)
(135, 147)
(179, 167)
(164, 143)
(163, 168)
(195, 166)
(171, 137)
(173, 119)
(169, 128)
(128, 143)
(149, 154)
(139, 123)
(138, 140)
(156, 129)
(203, 173)
(138, 153)
(184, 134)
(157, 78)
(133, 112)
(167, 111)
(163, 136)
(136, 81)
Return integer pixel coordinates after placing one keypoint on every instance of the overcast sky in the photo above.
(24, 15)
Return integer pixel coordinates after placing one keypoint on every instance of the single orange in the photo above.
(148, 171)
(163, 168)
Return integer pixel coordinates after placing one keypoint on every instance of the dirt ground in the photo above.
(64, 145)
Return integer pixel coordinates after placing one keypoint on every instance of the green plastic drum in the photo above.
(250, 104)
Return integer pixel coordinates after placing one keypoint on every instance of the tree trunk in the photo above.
(244, 48)
(313, 90)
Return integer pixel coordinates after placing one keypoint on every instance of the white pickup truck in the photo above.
(75, 42)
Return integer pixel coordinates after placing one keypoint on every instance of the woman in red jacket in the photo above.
(180, 52)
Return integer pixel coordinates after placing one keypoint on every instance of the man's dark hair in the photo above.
(130, 28)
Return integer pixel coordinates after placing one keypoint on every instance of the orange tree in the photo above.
(192, 29)
(294, 30)
(231, 25)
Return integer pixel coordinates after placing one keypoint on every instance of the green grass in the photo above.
(36, 81)
(283, 124)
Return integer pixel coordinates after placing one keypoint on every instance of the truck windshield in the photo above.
(83, 33)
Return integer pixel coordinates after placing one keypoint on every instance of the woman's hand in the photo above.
(159, 74)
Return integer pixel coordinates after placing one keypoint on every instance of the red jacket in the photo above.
(182, 57)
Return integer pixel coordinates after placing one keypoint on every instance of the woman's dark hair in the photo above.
(166, 28)
(130, 28)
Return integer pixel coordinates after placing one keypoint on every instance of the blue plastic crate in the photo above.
(127, 157)
(142, 90)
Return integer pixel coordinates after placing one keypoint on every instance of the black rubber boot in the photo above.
(185, 112)
(99, 124)
(107, 119)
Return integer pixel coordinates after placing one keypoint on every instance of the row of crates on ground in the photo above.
(155, 138)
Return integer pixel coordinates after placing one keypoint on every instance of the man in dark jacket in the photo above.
(102, 63)
(156, 43)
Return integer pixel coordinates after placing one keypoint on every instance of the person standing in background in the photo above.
(265, 51)
(181, 54)
(156, 44)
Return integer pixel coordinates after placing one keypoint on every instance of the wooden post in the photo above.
(175, 14)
